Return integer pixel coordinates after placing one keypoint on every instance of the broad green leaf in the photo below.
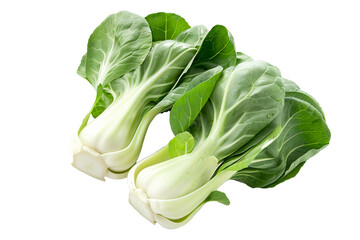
(166, 26)
(166, 103)
(304, 133)
(186, 109)
(291, 90)
(99, 92)
(218, 197)
(204, 76)
(193, 36)
(245, 100)
(290, 175)
(160, 72)
(122, 84)
(240, 161)
(181, 144)
(199, 65)
(218, 48)
(117, 46)
(264, 133)
(136, 93)
(307, 98)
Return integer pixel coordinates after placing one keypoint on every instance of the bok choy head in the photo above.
(255, 127)
(139, 73)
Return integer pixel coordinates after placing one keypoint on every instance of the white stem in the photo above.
(89, 161)
(120, 162)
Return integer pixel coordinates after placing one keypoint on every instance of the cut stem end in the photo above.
(90, 162)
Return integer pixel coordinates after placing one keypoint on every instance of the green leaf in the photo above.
(264, 133)
(193, 36)
(199, 65)
(218, 48)
(243, 160)
(245, 100)
(81, 69)
(241, 57)
(104, 101)
(290, 86)
(160, 71)
(293, 90)
(198, 91)
(218, 197)
(166, 103)
(181, 144)
(290, 175)
(204, 77)
(304, 133)
(166, 26)
(307, 98)
(99, 92)
(117, 46)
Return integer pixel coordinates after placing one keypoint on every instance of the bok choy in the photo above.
(256, 128)
(233, 117)
(138, 74)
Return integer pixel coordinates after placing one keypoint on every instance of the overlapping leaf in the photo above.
(166, 26)
(117, 46)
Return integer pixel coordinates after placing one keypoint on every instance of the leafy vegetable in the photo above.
(117, 133)
(125, 106)
(256, 128)
(234, 118)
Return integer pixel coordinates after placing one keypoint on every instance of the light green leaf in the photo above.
(104, 101)
(81, 69)
(198, 91)
(216, 35)
(304, 133)
(243, 160)
(218, 48)
(290, 175)
(99, 92)
(166, 103)
(307, 98)
(193, 36)
(241, 57)
(160, 72)
(181, 144)
(204, 77)
(166, 26)
(245, 100)
(291, 90)
(290, 86)
(117, 46)
(218, 197)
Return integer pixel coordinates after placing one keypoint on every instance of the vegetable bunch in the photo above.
(234, 118)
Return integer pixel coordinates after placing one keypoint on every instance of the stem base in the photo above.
(90, 162)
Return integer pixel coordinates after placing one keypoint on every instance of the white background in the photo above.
(43, 101)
